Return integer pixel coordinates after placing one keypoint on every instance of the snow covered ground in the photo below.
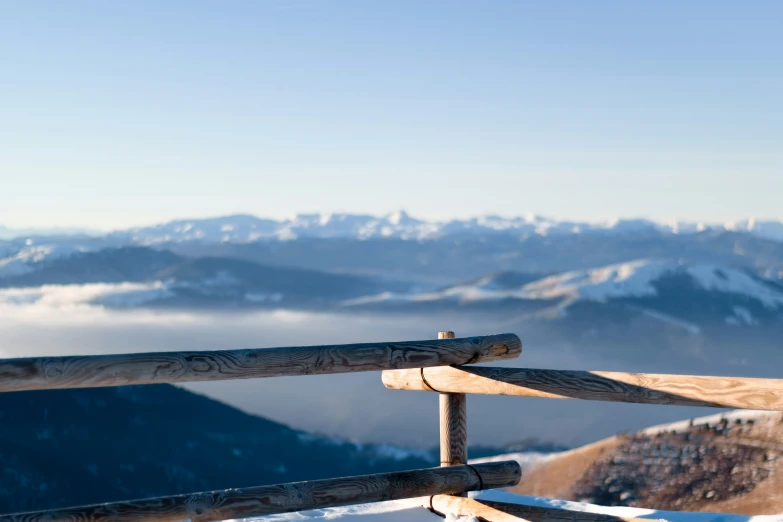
(410, 511)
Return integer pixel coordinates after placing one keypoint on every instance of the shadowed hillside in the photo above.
(82, 446)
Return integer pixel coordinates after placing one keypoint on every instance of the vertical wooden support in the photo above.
(453, 424)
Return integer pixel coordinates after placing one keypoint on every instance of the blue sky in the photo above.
(122, 113)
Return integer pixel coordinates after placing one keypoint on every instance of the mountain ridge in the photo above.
(674, 291)
(650, 284)
(249, 228)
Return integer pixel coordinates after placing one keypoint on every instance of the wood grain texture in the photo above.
(642, 388)
(490, 511)
(42, 373)
(285, 498)
(453, 429)
(453, 423)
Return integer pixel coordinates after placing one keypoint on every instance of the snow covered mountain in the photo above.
(636, 279)
(436, 253)
(645, 278)
(245, 228)
(667, 290)
(678, 292)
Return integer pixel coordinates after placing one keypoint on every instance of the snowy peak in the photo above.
(398, 224)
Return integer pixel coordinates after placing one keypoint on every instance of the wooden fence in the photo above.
(435, 366)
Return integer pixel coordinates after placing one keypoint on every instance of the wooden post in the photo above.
(453, 424)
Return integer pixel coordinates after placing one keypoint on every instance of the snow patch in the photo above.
(731, 416)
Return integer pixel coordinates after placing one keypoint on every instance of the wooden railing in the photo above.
(435, 366)
(640, 388)
(46, 373)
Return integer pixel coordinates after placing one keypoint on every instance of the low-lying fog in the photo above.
(351, 406)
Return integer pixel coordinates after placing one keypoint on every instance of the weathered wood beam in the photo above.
(491, 511)
(286, 498)
(642, 388)
(453, 429)
(43, 373)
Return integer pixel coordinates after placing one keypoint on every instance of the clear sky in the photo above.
(114, 113)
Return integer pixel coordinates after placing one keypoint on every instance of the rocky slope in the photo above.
(727, 463)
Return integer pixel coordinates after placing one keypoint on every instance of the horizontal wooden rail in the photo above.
(642, 388)
(491, 511)
(42, 373)
(285, 498)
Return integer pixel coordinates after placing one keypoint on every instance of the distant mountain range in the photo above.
(442, 259)
(713, 315)
(132, 276)
(703, 293)
(245, 228)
